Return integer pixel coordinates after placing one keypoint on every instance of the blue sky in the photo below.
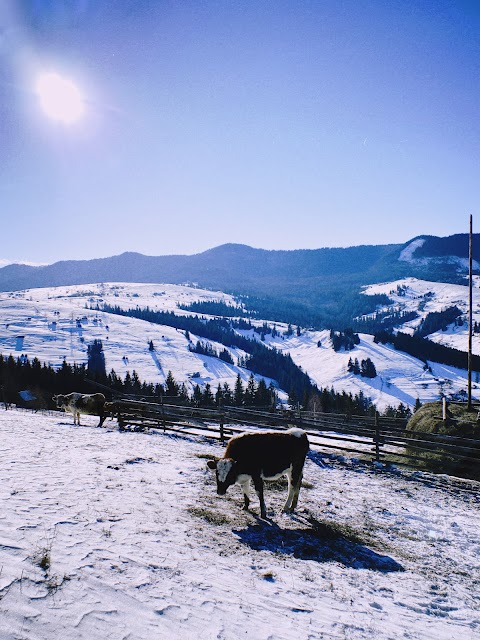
(276, 124)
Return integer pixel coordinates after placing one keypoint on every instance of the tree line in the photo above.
(216, 308)
(42, 381)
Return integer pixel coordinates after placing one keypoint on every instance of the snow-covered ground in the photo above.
(121, 535)
(43, 323)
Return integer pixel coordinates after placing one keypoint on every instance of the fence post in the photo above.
(222, 434)
(121, 423)
(377, 438)
(444, 409)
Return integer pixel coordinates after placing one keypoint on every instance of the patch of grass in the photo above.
(269, 576)
(43, 559)
(206, 456)
(281, 484)
(276, 485)
(213, 517)
(42, 555)
(331, 530)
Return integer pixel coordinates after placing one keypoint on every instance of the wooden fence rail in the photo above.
(377, 438)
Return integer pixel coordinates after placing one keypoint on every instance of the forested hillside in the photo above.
(318, 287)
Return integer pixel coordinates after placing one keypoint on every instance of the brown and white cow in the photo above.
(77, 403)
(263, 456)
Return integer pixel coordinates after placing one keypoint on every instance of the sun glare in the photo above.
(60, 98)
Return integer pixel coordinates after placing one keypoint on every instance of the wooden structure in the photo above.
(377, 438)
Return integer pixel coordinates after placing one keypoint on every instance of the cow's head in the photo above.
(226, 473)
(59, 401)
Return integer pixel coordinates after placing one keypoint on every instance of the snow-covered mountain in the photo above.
(58, 323)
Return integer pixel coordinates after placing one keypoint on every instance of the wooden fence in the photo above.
(378, 438)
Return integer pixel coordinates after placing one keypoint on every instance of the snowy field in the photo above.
(54, 324)
(121, 535)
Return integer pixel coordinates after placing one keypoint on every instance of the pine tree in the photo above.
(238, 393)
(171, 385)
(367, 369)
(96, 360)
(136, 384)
(227, 394)
(292, 398)
(207, 398)
(183, 393)
(262, 395)
(127, 383)
(159, 390)
(249, 396)
(197, 396)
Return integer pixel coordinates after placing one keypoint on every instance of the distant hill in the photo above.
(318, 287)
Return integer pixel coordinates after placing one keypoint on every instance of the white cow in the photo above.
(77, 403)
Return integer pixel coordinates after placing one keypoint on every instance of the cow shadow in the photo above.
(317, 541)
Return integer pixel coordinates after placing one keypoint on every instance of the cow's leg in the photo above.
(78, 417)
(246, 493)
(102, 420)
(297, 475)
(296, 492)
(258, 484)
(291, 491)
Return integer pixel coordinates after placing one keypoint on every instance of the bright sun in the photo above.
(59, 97)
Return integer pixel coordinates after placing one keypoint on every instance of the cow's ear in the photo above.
(212, 464)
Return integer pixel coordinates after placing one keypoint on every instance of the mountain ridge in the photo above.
(309, 286)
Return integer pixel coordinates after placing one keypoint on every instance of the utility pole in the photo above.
(470, 318)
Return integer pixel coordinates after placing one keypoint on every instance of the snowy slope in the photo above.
(43, 323)
(400, 377)
(54, 324)
(135, 543)
(425, 297)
